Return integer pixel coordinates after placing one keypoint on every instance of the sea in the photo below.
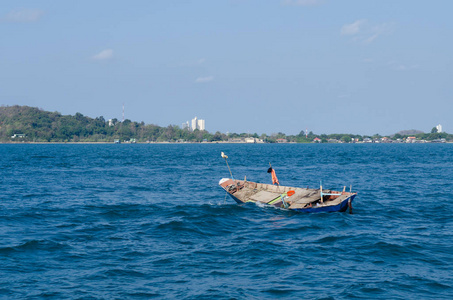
(149, 221)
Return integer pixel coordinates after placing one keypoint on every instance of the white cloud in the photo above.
(204, 79)
(402, 67)
(352, 29)
(381, 29)
(23, 15)
(405, 67)
(365, 33)
(370, 39)
(302, 2)
(103, 55)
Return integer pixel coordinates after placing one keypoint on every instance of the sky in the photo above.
(244, 66)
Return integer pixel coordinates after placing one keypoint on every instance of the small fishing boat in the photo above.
(286, 197)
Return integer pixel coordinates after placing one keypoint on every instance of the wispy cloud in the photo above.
(402, 67)
(103, 55)
(406, 67)
(370, 39)
(192, 63)
(378, 30)
(23, 15)
(302, 2)
(364, 32)
(204, 79)
(353, 28)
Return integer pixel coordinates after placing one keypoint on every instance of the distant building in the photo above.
(411, 139)
(251, 140)
(236, 140)
(111, 123)
(439, 128)
(196, 124)
(201, 124)
(18, 135)
(185, 125)
(282, 141)
(317, 140)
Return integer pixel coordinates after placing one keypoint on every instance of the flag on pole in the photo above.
(274, 176)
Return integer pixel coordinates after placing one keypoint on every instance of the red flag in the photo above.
(274, 178)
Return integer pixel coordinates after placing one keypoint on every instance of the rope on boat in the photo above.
(224, 200)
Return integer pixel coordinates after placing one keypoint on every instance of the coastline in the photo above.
(198, 143)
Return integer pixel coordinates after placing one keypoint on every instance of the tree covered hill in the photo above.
(39, 125)
(31, 124)
(42, 126)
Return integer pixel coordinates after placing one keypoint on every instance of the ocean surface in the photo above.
(136, 221)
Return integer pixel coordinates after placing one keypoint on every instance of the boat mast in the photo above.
(226, 157)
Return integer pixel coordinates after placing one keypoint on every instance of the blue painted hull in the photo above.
(342, 207)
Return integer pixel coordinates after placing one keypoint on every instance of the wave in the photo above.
(34, 246)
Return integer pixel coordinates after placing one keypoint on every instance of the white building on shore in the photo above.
(201, 124)
(195, 124)
(439, 128)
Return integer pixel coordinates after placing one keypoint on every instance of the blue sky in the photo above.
(261, 66)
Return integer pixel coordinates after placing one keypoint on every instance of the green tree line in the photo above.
(37, 125)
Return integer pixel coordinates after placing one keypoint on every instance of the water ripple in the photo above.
(148, 221)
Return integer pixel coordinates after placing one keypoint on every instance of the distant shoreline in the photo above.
(198, 143)
(35, 126)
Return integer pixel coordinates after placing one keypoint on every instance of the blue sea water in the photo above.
(149, 221)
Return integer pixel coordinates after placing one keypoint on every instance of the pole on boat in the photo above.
(226, 157)
(320, 189)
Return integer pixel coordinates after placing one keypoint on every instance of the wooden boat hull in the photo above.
(341, 207)
(292, 198)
